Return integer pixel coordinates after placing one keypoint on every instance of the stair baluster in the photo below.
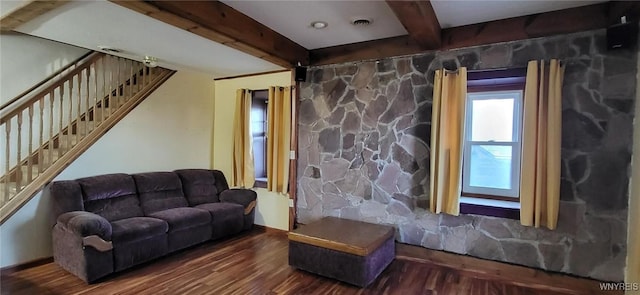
(51, 134)
(97, 89)
(7, 180)
(29, 160)
(41, 134)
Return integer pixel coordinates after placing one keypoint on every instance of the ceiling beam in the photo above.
(220, 23)
(617, 9)
(531, 26)
(28, 11)
(419, 19)
(518, 28)
(375, 49)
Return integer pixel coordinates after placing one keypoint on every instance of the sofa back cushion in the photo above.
(159, 191)
(66, 196)
(202, 186)
(112, 196)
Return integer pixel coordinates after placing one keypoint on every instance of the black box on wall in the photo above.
(301, 74)
(623, 35)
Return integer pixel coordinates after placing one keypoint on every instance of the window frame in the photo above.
(493, 80)
(511, 194)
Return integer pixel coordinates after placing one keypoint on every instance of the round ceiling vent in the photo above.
(361, 22)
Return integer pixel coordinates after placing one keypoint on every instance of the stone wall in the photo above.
(364, 135)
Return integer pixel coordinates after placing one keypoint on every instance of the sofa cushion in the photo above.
(239, 196)
(199, 186)
(112, 196)
(66, 196)
(159, 191)
(218, 210)
(137, 228)
(226, 218)
(183, 217)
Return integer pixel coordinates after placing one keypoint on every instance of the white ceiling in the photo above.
(90, 24)
(453, 13)
(293, 20)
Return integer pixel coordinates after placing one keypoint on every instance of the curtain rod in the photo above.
(485, 70)
(267, 89)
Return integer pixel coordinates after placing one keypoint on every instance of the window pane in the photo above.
(492, 120)
(490, 166)
(259, 160)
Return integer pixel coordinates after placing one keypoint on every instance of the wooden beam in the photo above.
(617, 9)
(220, 23)
(419, 19)
(531, 26)
(376, 49)
(28, 11)
(518, 28)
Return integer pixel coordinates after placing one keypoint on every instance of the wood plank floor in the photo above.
(253, 263)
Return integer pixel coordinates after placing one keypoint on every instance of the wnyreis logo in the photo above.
(620, 286)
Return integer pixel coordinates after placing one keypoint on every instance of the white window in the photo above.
(259, 127)
(492, 146)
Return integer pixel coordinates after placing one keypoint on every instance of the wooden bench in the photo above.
(351, 251)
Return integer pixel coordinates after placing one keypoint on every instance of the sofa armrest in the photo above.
(85, 224)
(244, 197)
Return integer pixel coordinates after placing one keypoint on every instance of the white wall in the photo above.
(171, 129)
(272, 209)
(27, 60)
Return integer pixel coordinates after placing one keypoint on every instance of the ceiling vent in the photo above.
(108, 49)
(361, 22)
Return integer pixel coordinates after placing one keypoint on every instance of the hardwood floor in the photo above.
(255, 263)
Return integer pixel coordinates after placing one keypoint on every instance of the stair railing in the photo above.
(39, 129)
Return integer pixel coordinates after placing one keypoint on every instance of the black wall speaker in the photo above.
(622, 35)
(301, 74)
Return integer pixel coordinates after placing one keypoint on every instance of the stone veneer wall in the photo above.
(364, 135)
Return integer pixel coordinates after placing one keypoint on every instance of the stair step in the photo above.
(65, 142)
(12, 190)
(83, 127)
(102, 113)
(49, 156)
(25, 171)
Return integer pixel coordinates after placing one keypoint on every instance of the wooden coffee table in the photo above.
(347, 250)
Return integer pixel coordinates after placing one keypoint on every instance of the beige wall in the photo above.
(272, 209)
(169, 130)
(633, 236)
(27, 60)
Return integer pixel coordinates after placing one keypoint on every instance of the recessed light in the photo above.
(319, 25)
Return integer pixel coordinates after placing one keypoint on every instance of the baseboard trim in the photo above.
(269, 229)
(500, 271)
(7, 270)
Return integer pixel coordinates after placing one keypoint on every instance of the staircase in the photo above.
(45, 129)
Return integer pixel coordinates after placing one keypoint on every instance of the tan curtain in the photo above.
(541, 139)
(447, 139)
(243, 169)
(278, 139)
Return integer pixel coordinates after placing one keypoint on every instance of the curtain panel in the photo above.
(278, 139)
(541, 144)
(447, 138)
(243, 166)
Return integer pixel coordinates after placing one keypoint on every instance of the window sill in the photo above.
(260, 182)
(495, 208)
